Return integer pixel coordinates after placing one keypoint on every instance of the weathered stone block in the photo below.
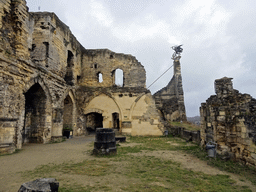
(221, 118)
(222, 113)
(40, 185)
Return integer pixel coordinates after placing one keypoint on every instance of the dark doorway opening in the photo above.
(68, 116)
(93, 121)
(35, 115)
(115, 120)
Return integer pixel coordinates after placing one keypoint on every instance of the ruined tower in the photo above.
(170, 99)
(229, 119)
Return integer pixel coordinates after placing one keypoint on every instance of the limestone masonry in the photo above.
(229, 119)
(50, 82)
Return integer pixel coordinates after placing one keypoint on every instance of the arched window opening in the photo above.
(35, 115)
(69, 77)
(100, 77)
(118, 77)
(115, 121)
(93, 121)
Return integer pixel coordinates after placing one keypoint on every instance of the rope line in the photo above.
(160, 76)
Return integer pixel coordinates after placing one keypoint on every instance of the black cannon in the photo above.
(105, 142)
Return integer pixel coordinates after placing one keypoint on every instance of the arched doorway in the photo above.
(115, 121)
(92, 121)
(68, 114)
(35, 115)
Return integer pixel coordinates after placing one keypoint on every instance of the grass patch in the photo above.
(80, 188)
(230, 166)
(132, 170)
(187, 125)
(165, 175)
(87, 167)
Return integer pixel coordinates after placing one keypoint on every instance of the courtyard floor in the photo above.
(142, 164)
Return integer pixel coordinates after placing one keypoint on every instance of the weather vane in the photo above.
(178, 50)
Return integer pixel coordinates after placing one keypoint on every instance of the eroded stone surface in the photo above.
(49, 81)
(229, 118)
(40, 185)
(170, 99)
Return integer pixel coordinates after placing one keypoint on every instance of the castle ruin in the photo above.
(49, 81)
(229, 119)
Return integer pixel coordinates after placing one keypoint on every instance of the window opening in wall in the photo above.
(46, 53)
(100, 77)
(118, 77)
(69, 77)
(95, 66)
(93, 121)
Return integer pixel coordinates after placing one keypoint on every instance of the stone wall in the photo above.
(135, 108)
(170, 99)
(106, 62)
(49, 81)
(228, 118)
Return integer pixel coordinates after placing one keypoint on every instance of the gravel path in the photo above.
(33, 155)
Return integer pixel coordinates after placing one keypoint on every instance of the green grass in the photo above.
(86, 167)
(130, 170)
(187, 125)
(230, 166)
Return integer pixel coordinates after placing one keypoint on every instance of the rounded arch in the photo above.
(93, 110)
(118, 77)
(118, 67)
(105, 105)
(118, 74)
(100, 77)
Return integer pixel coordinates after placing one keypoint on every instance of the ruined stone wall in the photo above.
(53, 45)
(14, 28)
(48, 80)
(105, 62)
(135, 106)
(228, 118)
(170, 99)
(27, 35)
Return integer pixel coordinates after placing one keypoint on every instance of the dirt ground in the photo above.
(76, 150)
(33, 155)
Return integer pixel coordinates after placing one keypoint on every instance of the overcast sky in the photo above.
(218, 37)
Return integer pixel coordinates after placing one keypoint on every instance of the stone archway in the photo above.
(35, 129)
(106, 106)
(93, 121)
